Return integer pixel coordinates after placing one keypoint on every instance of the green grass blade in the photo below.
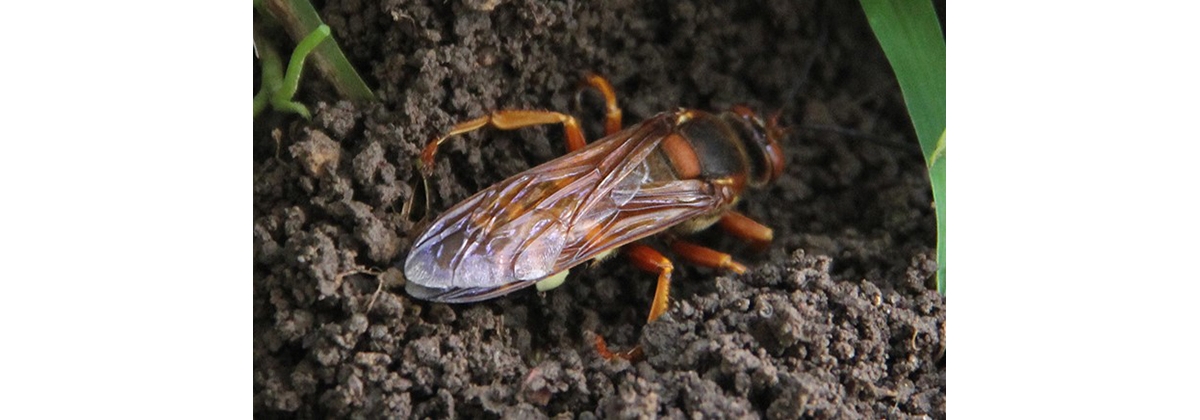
(912, 39)
(937, 178)
(300, 19)
(291, 81)
(272, 71)
(910, 35)
(282, 99)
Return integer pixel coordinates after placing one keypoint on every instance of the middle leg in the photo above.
(646, 259)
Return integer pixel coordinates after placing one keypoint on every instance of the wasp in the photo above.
(675, 173)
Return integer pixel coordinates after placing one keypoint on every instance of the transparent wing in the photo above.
(553, 217)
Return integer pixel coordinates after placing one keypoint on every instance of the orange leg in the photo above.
(507, 120)
(647, 259)
(612, 112)
(747, 229)
(706, 257)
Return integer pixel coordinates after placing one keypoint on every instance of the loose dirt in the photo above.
(837, 319)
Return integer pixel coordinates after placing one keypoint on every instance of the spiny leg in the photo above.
(646, 259)
(747, 229)
(506, 120)
(706, 257)
(612, 112)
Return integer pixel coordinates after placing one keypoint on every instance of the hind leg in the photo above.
(506, 120)
(612, 112)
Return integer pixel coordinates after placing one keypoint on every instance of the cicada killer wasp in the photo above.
(678, 172)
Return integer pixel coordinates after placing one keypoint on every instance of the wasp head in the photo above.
(761, 141)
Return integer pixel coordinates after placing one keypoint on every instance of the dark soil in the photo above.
(837, 319)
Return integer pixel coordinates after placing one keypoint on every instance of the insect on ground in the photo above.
(672, 175)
